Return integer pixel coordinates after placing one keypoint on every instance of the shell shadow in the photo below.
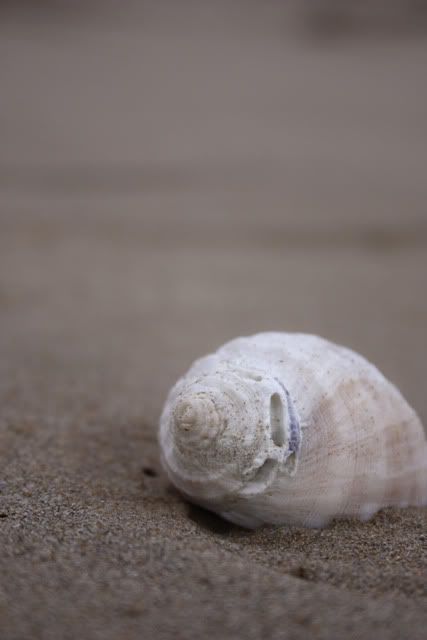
(211, 522)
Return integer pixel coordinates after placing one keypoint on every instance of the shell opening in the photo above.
(276, 420)
(261, 478)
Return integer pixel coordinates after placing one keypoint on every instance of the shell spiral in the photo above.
(290, 428)
(196, 421)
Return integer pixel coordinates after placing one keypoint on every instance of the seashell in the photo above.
(290, 428)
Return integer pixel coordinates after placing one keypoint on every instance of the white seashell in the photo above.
(290, 428)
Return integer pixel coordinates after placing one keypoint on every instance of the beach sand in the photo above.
(136, 237)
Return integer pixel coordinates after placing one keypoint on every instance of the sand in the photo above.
(164, 188)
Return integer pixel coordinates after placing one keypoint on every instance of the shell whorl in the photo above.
(228, 431)
(196, 421)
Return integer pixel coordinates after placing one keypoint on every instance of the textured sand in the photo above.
(164, 188)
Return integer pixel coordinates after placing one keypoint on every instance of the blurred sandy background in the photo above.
(173, 174)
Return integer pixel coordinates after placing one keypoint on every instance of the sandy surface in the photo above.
(168, 182)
